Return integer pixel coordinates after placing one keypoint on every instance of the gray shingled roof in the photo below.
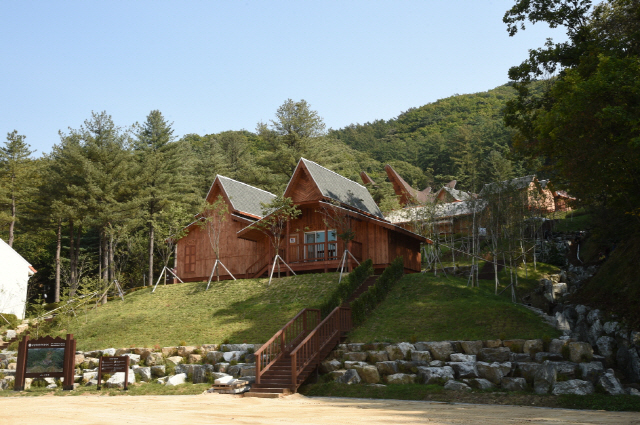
(458, 195)
(334, 186)
(514, 184)
(245, 198)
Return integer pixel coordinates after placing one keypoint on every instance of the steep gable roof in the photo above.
(244, 198)
(404, 190)
(334, 186)
(518, 183)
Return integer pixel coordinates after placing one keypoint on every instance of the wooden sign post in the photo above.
(46, 357)
(114, 364)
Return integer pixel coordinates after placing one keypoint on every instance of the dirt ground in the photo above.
(296, 409)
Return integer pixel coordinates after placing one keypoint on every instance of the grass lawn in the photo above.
(245, 310)
(137, 389)
(572, 221)
(422, 307)
(528, 279)
(496, 396)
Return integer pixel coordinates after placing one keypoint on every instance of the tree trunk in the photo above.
(13, 219)
(112, 265)
(151, 236)
(72, 263)
(56, 294)
(105, 263)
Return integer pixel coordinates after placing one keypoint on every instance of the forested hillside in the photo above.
(101, 204)
(461, 137)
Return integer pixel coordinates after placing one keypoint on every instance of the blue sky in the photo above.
(211, 66)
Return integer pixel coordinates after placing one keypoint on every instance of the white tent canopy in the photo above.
(14, 278)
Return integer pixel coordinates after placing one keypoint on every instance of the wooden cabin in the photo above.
(195, 255)
(311, 243)
(537, 196)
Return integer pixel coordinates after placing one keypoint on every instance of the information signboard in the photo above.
(46, 357)
(114, 364)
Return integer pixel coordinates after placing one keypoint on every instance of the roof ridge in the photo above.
(331, 171)
(246, 184)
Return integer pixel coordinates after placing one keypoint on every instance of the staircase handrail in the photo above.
(282, 341)
(263, 261)
(338, 321)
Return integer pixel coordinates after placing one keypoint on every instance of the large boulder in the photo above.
(401, 378)
(357, 346)
(498, 354)
(134, 359)
(108, 352)
(514, 384)
(421, 357)
(356, 356)
(610, 384)
(533, 346)
(493, 343)
(349, 377)
(440, 350)
(565, 369)
(232, 355)
(377, 356)
(435, 375)
(117, 380)
(169, 351)
(515, 345)
(574, 386)
(353, 365)
(458, 357)
(456, 386)
(214, 357)
(243, 369)
(329, 366)
(158, 371)
(472, 347)
(491, 372)
(607, 348)
(545, 378)
(174, 360)
(479, 383)
(368, 374)
(610, 328)
(580, 352)
(387, 368)
(591, 371)
(178, 379)
(154, 359)
(199, 373)
(464, 370)
(400, 351)
(628, 361)
(595, 332)
(144, 373)
(185, 350)
(556, 345)
(194, 358)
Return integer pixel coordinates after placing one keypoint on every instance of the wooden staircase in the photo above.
(295, 351)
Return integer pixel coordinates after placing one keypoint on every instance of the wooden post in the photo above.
(258, 360)
(22, 364)
(126, 375)
(100, 373)
(70, 366)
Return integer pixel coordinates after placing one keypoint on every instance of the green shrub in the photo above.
(347, 287)
(368, 301)
(233, 362)
(11, 318)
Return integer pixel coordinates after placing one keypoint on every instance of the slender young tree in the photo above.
(17, 174)
(277, 214)
(214, 216)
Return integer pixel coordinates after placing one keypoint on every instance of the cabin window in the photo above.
(190, 259)
(315, 244)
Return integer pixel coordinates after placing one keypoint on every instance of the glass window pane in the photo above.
(332, 235)
(320, 237)
(309, 237)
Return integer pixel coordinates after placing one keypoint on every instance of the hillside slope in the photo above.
(246, 310)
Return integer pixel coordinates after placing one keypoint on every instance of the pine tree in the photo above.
(17, 174)
(164, 174)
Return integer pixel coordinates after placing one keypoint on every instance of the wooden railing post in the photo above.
(294, 370)
(258, 358)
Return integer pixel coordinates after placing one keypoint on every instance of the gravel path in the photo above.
(296, 409)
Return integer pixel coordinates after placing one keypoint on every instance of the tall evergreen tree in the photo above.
(17, 174)
(164, 174)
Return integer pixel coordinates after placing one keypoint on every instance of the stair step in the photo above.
(271, 388)
(264, 395)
